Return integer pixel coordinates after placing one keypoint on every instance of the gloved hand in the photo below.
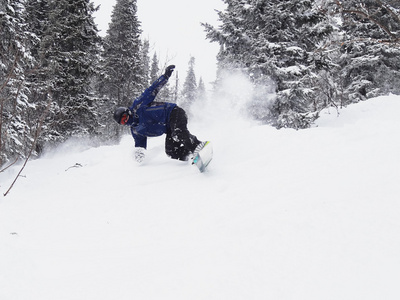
(140, 154)
(168, 71)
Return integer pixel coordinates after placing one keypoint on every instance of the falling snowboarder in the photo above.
(148, 118)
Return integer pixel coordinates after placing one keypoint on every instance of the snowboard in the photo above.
(203, 157)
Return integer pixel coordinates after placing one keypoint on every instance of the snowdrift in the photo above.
(280, 214)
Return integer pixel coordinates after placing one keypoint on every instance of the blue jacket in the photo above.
(150, 118)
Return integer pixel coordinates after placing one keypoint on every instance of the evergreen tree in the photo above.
(189, 91)
(146, 69)
(155, 69)
(167, 93)
(231, 36)
(369, 57)
(38, 19)
(37, 14)
(201, 90)
(15, 61)
(275, 40)
(68, 51)
(123, 76)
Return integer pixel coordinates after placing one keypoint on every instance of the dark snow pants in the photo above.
(179, 142)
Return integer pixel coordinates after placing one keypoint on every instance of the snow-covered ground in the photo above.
(281, 214)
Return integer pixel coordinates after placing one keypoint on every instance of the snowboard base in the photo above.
(203, 157)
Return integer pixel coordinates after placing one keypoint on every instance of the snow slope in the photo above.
(280, 214)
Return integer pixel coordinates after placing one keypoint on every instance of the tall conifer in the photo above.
(68, 53)
(189, 91)
(16, 60)
(274, 40)
(123, 76)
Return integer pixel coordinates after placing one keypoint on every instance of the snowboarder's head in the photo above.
(122, 115)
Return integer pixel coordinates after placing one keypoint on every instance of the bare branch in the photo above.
(37, 134)
(371, 18)
(365, 15)
(385, 6)
(9, 165)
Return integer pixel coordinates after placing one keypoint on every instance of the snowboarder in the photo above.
(148, 118)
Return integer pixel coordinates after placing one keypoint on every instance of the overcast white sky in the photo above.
(174, 31)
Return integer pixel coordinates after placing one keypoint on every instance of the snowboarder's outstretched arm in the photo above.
(150, 93)
(140, 140)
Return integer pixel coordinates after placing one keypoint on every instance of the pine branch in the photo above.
(367, 16)
(11, 74)
(385, 6)
(373, 20)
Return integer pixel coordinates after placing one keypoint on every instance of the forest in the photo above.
(59, 79)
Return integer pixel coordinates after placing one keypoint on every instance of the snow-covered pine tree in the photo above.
(274, 40)
(123, 79)
(369, 58)
(16, 60)
(68, 52)
(201, 90)
(189, 90)
(155, 69)
(166, 94)
(38, 19)
(146, 68)
(231, 35)
(37, 14)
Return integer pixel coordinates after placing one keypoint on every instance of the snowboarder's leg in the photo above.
(179, 142)
(174, 149)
